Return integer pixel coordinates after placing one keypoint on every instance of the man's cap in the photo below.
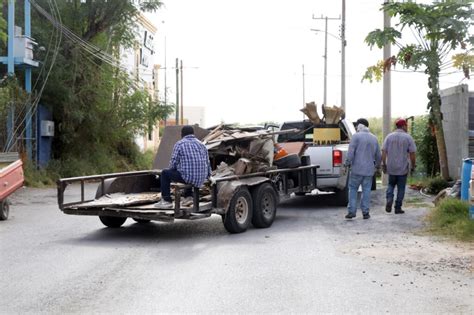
(363, 121)
(400, 122)
(187, 130)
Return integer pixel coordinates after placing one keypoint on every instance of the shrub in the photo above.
(451, 218)
(427, 151)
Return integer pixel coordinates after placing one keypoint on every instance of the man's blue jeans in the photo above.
(400, 181)
(168, 176)
(354, 182)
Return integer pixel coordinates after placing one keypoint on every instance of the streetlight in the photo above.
(326, 33)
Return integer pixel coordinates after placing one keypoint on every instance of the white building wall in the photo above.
(139, 63)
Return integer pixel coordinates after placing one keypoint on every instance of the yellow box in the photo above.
(326, 135)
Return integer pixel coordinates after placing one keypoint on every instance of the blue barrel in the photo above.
(471, 212)
(465, 178)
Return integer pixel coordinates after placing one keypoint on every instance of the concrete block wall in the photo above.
(458, 115)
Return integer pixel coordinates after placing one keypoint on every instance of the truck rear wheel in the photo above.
(4, 210)
(341, 197)
(112, 222)
(239, 215)
(265, 205)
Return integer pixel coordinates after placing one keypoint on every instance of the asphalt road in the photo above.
(310, 261)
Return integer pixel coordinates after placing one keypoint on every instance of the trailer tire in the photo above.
(265, 205)
(239, 214)
(289, 161)
(112, 222)
(141, 221)
(4, 210)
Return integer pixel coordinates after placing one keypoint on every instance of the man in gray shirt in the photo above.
(397, 151)
(363, 158)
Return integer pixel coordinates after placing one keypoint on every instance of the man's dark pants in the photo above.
(168, 176)
(400, 181)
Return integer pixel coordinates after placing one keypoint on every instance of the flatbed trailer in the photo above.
(241, 200)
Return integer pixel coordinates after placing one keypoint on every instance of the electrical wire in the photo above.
(32, 108)
(92, 51)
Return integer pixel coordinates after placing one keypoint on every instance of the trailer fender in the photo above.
(228, 189)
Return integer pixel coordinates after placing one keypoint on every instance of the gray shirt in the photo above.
(397, 146)
(364, 153)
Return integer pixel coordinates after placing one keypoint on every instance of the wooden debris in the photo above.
(332, 114)
(311, 112)
(242, 166)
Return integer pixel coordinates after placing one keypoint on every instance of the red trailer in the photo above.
(11, 178)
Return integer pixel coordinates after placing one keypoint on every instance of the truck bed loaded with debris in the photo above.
(326, 141)
(250, 176)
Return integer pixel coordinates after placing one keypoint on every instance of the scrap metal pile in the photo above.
(239, 151)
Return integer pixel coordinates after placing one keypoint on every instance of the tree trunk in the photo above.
(435, 104)
(442, 153)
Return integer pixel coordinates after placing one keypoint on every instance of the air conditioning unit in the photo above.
(47, 128)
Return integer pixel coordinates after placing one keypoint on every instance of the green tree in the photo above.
(3, 28)
(439, 29)
(97, 107)
(427, 155)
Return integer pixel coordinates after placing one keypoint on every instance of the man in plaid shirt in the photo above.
(189, 164)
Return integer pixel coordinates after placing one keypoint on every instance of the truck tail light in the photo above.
(336, 158)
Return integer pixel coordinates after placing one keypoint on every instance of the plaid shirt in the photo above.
(191, 159)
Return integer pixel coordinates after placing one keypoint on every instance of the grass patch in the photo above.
(451, 218)
(101, 162)
(38, 178)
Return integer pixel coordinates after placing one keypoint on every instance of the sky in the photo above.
(243, 60)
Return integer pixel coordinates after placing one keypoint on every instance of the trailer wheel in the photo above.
(239, 215)
(142, 221)
(4, 210)
(112, 222)
(265, 205)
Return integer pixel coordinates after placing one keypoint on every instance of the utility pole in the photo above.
(304, 96)
(11, 67)
(29, 111)
(387, 95)
(325, 52)
(387, 98)
(166, 86)
(182, 110)
(343, 56)
(177, 93)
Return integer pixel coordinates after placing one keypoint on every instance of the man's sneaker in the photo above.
(163, 204)
(388, 207)
(366, 216)
(350, 216)
(187, 201)
(399, 211)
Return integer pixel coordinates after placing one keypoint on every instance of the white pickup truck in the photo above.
(329, 156)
